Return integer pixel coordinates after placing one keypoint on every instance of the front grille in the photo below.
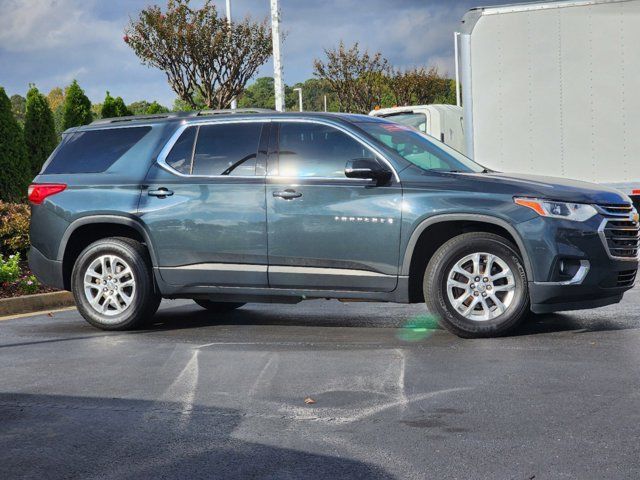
(626, 278)
(620, 232)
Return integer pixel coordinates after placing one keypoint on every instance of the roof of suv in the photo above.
(222, 114)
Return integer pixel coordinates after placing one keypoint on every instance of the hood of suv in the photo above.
(545, 187)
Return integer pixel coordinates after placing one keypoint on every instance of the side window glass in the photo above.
(179, 157)
(227, 149)
(316, 150)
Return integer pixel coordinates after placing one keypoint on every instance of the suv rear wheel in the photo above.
(477, 286)
(113, 286)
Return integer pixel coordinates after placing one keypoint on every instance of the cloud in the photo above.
(51, 42)
(45, 25)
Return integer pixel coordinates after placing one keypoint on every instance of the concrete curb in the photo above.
(35, 303)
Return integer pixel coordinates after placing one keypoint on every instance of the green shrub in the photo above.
(9, 268)
(15, 171)
(14, 228)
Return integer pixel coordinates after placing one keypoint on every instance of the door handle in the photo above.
(160, 193)
(287, 194)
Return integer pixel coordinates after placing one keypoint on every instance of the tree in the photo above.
(77, 107)
(121, 108)
(260, 94)
(39, 130)
(14, 166)
(56, 102)
(18, 107)
(155, 108)
(199, 52)
(108, 107)
(139, 108)
(55, 98)
(358, 79)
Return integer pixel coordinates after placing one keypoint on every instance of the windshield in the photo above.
(414, 120)
(420, 149)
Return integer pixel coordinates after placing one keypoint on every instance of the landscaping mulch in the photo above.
(10, 290)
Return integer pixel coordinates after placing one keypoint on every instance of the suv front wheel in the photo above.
(477, 286)
(112, 284)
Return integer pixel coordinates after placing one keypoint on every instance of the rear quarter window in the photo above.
(94, 151)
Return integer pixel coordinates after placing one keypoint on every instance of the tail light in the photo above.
(39, 191)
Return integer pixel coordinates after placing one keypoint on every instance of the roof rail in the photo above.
(160, 116)
(233, 110)
(132, 118)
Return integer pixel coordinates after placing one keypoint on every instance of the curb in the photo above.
(35, 303)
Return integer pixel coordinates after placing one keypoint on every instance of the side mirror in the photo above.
(367, 168)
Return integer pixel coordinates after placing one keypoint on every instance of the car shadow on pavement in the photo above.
(252, 316)
(563, 322)
(51, 436)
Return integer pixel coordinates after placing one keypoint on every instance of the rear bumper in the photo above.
(46, 270)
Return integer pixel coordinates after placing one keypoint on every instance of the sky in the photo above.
(52, 42)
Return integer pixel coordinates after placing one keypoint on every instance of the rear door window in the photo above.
(94, 151)
(227, 149)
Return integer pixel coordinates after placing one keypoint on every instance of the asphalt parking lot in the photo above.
(201, 397)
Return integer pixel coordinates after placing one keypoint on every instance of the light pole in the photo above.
(234, 102)
(299, 90)
(277, 61)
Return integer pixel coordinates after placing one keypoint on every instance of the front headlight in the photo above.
(578, 212)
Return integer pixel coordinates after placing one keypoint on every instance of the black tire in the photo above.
(435, 286)
(217, 307)
(144, 302)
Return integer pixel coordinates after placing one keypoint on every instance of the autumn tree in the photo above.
(199, 52)
(55, 98)
(39, 130)
(359, 79)
(14, 166)
(77, 107)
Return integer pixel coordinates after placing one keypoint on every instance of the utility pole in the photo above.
(234, 102)
(277, 61)
(456, 37)
(299, 90)
(325, 103)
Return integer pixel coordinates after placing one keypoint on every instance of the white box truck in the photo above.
(443, 122)
(553, 88)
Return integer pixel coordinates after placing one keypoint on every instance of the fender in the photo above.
(118, 219)
(455, 217)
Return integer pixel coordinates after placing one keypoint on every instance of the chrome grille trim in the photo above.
(619, 232)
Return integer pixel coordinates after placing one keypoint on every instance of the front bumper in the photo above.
(551, 241)
(46, 270)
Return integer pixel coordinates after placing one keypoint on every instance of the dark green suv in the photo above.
(229, 208)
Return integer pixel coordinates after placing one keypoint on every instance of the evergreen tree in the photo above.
(39, 130)
(109, 107)
(121, 108)
(14, 166)
(77, 107)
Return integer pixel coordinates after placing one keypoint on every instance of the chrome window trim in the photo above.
(164, 153)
